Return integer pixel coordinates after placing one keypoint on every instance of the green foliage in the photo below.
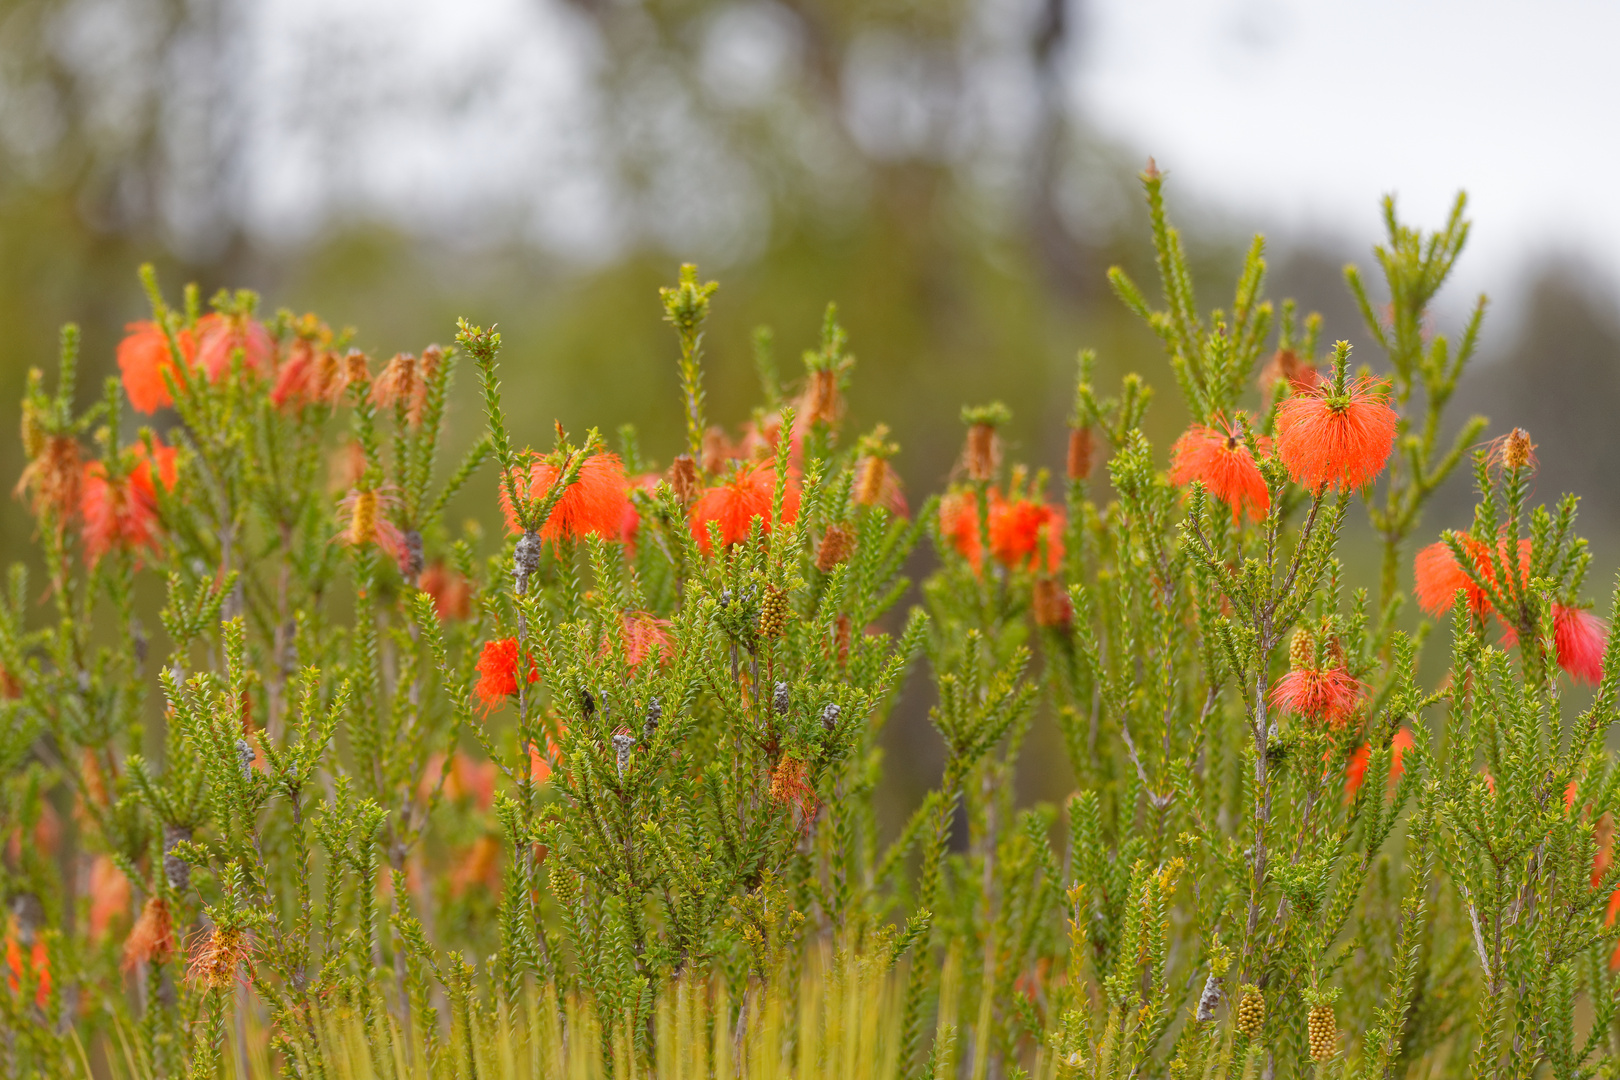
(600, 795)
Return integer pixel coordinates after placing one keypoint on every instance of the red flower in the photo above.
(143, 357)
(122, 513)
(299, 377)
(1218, 458)
(452, 593)
(219, 336)
(1021, 529)
(1330, 440)
(1326, 695)
(38, 962)
(1437, 574)
(479, 866)
(593, 503)
(959, 523)
(642, 635)
(109, 895)
(1356, 769)
(1581, 638)
(497, 672)
(735, 502)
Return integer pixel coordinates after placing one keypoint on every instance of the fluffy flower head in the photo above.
(735, 502)
(1338, 441)
(593, 504)
(1217, 457)
(497, 672)
(121, 513)
(144, 357)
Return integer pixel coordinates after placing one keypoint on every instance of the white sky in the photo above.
(1302, 114)
(1292, 115)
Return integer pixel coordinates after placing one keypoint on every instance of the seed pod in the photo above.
(683, 477)
(525, 560)
(655, 713)
(1210, 999)
(176, 869)
(1082, 448)
(1251, 1013)
(773, 612)
(835, 548)
(779, 698)
(1323, 1029)
(622, 742)
(1517, 450)
(413, 554)
(829, 718)
(244, 757)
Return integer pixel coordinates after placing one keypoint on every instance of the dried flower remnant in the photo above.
(683, 477)
(836, 545)
(1337, 441)
(1218, 457)
(1082, 453)
(498, 672)
(1051, 604)
(1513, 452)
(53, 478)
(735, 502)
(151, 940)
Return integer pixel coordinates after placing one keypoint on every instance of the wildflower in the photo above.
(215, 958)
(630, 520)
(1082, 448)
(53, 478)
(36, 965)
(821, 402)
(877, 484)
(1356, 770)
(452, 593)
(1336, 440)
(109, 895)
(1437, 574)
(143, 358)
(959, 523)
(220, 336)
(1327, 695)
(151, 941)
(1513, 451)
(1051, 605)
(369, 524)
(592, 504)
(790, 785)
(479, 865)
(1020, 529)
(734, 503)
(121, 512)
(643, 635)
(1219, 458)
(1290, 369)
(497, 672)
(403, 382)
(836, 545)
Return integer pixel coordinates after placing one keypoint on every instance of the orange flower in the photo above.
(143, 357)
(1218, 458)
(122, 513)
(220, 336)
(734, 503)
(959, 523)
(1581, 638)
(299, 377)
(109, 895)
(37, 965)
(479, 866)
(452, 593)
(643, 634)
(497, 672)
(1327, 695)
(593, 503)
(1331, 440)
(152, 939)
(1437, 574)
(539, 764)
(1356, 769)
(405, 380)
(465, 779)
(1021, 528)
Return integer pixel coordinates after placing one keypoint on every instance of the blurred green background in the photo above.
(925, 164)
